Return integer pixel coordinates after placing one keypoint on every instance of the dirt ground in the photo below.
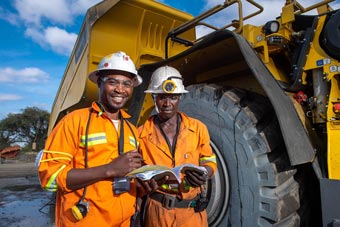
(22, 200)
(10, 170)
(21, 167)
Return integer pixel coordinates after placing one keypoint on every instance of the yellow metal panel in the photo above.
(148, 106)
(333, 151)
(138, 27)
(333, 131)
(287, 14)
(330, 65)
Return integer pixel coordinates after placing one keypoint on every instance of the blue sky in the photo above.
(37, 37)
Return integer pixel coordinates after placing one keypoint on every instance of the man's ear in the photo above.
(99, 81)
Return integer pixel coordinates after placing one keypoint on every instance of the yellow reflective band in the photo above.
(133, 141)
(186, 185)
(59, 152)
(170, 187)
(208, 159)
(52, 184)
(165, 186)
(93, 139)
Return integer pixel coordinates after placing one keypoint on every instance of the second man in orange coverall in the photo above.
(171, 138)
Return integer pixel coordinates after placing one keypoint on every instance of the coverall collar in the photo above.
(149, 132)
(97, 109)
(184, 125)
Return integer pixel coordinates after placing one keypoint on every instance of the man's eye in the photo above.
(127, 84)
(171, 97)
(112, 82)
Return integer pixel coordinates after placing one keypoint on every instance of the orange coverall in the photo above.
(192, 147)
(64, 150)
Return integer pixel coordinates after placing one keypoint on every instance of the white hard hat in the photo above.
(117, 61)
(166, 80)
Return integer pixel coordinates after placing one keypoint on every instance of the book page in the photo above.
(182, 168)
(158, 172)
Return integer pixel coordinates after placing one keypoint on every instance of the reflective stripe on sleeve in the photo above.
(211, 158)
(52, 184)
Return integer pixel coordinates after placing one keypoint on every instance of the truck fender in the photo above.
(299, 147)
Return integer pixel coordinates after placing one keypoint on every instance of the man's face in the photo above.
(167, 105)
(115, 90)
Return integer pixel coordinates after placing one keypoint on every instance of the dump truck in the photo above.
(269, 95)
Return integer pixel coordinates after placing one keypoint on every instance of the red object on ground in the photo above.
(10, 152)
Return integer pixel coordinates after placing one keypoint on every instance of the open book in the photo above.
(158, 172)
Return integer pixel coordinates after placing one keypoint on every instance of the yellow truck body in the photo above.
(132, 26)
(269, 95)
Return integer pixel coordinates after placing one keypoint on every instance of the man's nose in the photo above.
(167, 101)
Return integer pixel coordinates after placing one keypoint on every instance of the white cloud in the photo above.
(33, 11)
(9, 97)
(37, 36)
(272, 9)
(8, 16)
(59, 40)
(26, 75)
(45, 21)
(225, 16)
(335, 5)
(79, 7)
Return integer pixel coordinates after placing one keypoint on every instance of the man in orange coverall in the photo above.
(89, 152)
(172, 138)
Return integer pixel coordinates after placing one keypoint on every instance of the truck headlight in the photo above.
(271, 27)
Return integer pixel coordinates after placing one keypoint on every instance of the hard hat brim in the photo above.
(162, 92)
(137, 80)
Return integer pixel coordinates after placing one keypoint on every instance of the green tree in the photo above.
(27, 127)
(7, 137)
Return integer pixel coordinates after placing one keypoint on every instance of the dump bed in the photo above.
(137, 27)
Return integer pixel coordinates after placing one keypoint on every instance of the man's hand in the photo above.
(119, 167)
(150, 186)
(146, 187)
(124, 164)
(194, 178)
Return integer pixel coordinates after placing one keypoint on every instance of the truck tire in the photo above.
(254, 184)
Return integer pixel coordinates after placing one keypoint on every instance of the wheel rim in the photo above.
(219, 190)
